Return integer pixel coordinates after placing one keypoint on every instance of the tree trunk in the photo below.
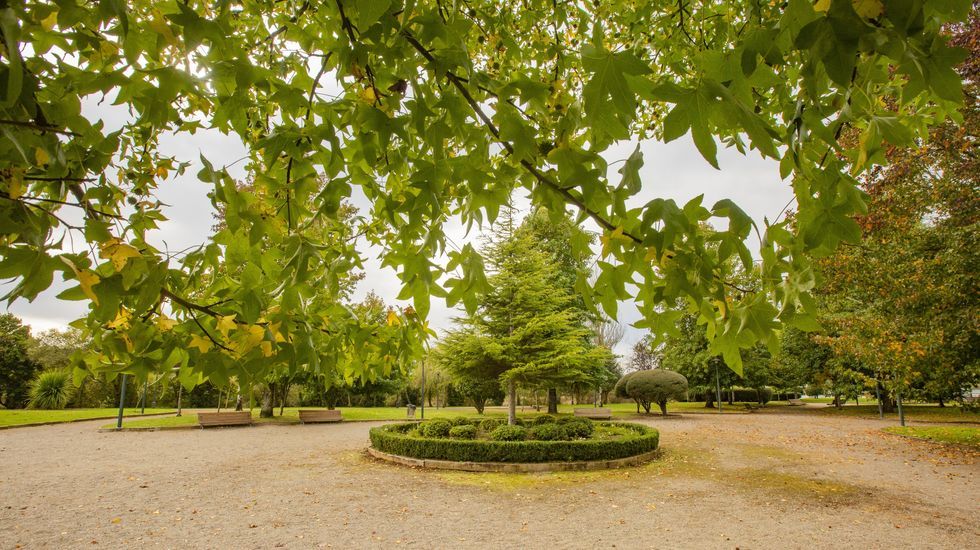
(511, 403)
(479, 404)
(552, 401)
(663, 407)
(941, 403)
(268, 400)
(646, 406)
(709, 400)
(239, 402)
(637, 406)
(284, 393)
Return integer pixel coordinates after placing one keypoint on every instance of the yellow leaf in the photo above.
(118, 252)
(162, 172)
(15, 185)
(41, 156)
(274, 329)
(49, 22)
(225, 324)
(393, 318)
(367, 95)
(822, 5)
(254, 335)
(266, 347)
(869, 9)
(165, 323)
(202, 344)
(651, 254)
(608, 238)
(121, 320)
(86, 280)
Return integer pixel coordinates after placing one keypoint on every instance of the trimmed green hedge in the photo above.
(395, 439)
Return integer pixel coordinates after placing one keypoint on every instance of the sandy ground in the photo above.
(765, 480)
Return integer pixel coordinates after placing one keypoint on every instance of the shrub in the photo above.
(508, 433)
(548, 432)
(466, 431)
(395, 439)
(490, 424)
(436, 428)
(51, 390)
(462, 421)
(543, 419)
(576, 428)
(656, 386)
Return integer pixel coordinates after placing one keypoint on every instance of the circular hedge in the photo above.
(395, 439)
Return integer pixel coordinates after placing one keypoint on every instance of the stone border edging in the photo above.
(516, 467)
(198, 426)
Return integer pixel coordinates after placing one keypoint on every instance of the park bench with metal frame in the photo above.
(310, 416)
(222, 419)
(594, 413)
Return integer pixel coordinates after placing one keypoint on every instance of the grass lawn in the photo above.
(920, 413)
(960, 435)
(19, 417)
(291, 414)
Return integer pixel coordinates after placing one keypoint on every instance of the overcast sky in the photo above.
(675, 170)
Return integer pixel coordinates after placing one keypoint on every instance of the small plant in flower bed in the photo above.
(436, 428)
(575, 439)
(508, 433)
(465, 431)
(489, 424)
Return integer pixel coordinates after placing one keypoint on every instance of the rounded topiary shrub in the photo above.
(577, 428)
(656, 386)
(612, 440)
(543, 419)
(508, 433)
(465, 431)
(436, 428)
(490, 424)
(548, 432)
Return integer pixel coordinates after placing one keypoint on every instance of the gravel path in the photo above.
(766, 480)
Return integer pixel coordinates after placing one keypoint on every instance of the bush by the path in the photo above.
(51, 389)
(409, 440)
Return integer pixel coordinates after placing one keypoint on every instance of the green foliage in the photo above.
(543, 419)
(508, 433)
(577, 428)
(479, 390)
(418, 105)
(395, 439)
(656, 386)
(17, 369)
(490, 424)
(51, 390)
(463, 431)
(436, 428)
(547, 432)
(528, 328)
(462, 421)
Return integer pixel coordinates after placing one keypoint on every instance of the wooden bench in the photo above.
(594, 413)
(794, 402)
(311, 416)
(233, 418)
(750, 407)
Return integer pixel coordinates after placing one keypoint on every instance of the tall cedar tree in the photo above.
(526, 329)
